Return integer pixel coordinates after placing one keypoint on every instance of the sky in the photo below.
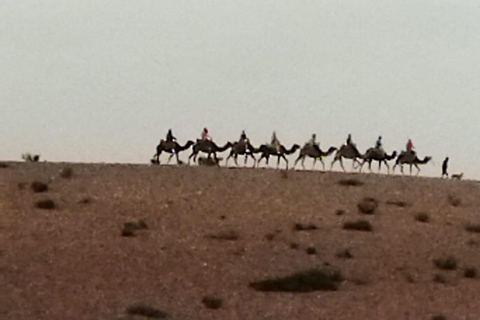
(103, 81)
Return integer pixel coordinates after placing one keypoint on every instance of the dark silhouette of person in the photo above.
(170, 136)
(445, 168)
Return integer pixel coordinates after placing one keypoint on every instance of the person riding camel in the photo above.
(409, 146)
(275, 143)
(378, 144)
(349, 140)
(313, 141)
(243, 137)
(205, 135)
(170, 136)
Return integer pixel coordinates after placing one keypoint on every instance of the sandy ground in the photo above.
(73, 263)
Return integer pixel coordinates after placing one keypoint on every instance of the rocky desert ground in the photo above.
(110, 241)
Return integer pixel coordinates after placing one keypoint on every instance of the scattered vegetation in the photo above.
(311, 250)
(400, 204)
(344, 254)
(422, 217)
(307, 281)
(146, 311)
(340, 212)
(367, 205)
(212, 302)
(473, 228)
(454, 201)
(470, 273)
(3, 165)
(230, 235)
(85, 200)
(294, 245)
(350, 182)
(130, 227)
(30, 158)
(448, 263)
(38, 186)
(438, 317)
(360, 225)
(304, 227)
(66, 172)
(46, 204)
(439, 278)
(270, 236)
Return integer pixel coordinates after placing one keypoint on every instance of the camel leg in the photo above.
(410, 169)
(418, 169)
(379, 166)
(229, 156)
(334, 160)
(278, 161)
(191, 156)
(170, 158)
(314, 162)
(178, 158)
(245, 160)
(323, 164)
(284, 158)
(296, 161)
(386, 165)
(341, 164)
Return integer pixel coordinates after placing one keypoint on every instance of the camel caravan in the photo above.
(274, 149)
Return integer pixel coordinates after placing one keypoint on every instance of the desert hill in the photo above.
(179, 242)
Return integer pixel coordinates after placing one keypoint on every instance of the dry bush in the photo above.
(344, 254)
(46, 204)
(351, 182)
(360, 225)
(38, 186)
(448, 263)
(304, 227)
(367, 205)
(439, 278)
(401, 204)
(66, 172)
(130, 227)
(473, 228)
(340, 212)
(307, 281)
(230, 235)
(422, 217)
(212, 302)
(294, 245)
(146, 311)
(454, 201)
(311, 250)
(270, 236)
(85, 200)
(3, 165)
(470, 273)
(438, 317)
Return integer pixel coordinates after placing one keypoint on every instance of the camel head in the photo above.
(331, 150)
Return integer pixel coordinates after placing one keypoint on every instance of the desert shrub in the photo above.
(46, 204)
(448, 263)
(212, 302)
(66, 172)
(38, 186)
(340, 212)
(350, 182)
(307, 281)
(360, 225)
(146, 311)
(3, 165)
(401, 204)
(473, 228)
(130, 227)
(311, 250)
(344, 254)
(454, 201)
(439, 278)
(438, 317)
(367, 205)
(294, 245)
(422, 217)
(230, 235)
(470, 273)
(304, 227)
(85, 200)
(270, 236)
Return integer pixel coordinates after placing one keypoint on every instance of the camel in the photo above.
(209, 147)
(313, 151)
(411, 159)
(377, 154)
(269, 150)
(348, 151)
(241, 148)
(171, 147)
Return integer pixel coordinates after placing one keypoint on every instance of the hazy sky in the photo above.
(102, 81)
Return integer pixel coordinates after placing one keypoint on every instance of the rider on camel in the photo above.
(378, 144)
(275, 143)
(170, 136)
(205, 135)
(313, 141)
(410, 146)
(243, 137)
